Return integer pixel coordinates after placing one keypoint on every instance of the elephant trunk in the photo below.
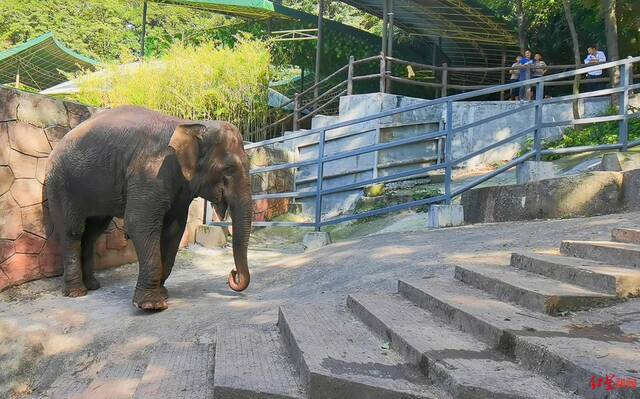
(242, 215)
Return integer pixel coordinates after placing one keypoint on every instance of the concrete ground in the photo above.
(43, 334)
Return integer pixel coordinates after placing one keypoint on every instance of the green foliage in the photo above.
(424, 194)
(105, 29)
(600, 133)
(210, 81)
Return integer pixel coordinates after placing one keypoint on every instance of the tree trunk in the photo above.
(576, 54)
(522, 26)
(611, 33)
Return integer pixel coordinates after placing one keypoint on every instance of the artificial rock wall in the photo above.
(30, 127)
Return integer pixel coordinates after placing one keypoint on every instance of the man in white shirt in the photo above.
(595, 56)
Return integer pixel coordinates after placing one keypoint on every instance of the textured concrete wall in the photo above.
(30, 126)
(279, 181)
(588, 194)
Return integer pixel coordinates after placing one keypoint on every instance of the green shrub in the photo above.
(600, 133)
(206, 82)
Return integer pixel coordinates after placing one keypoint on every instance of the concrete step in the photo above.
(631, 236)
(103, 379)
(530, 290)
(180, 370)
(459, 363)
(592, 275)
(338, 357)
(553, 347)
(615, 253)
(252, 362)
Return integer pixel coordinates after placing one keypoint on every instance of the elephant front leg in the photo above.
(172, 231)
(146, 234)
(73, 282)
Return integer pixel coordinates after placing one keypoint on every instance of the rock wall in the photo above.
(279, 181)
(30, 127)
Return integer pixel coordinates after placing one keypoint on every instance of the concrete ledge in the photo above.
(445, 216)
(315, 240)
(588, 194)
(210, 236)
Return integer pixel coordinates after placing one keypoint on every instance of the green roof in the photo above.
(41, 62)
(237, 8)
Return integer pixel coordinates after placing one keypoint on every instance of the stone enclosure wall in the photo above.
(30, 127)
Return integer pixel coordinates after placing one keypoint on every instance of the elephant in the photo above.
(145, 167)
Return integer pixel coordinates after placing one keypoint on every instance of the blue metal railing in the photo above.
(623, 90)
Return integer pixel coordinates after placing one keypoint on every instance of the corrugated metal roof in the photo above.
(42, 62)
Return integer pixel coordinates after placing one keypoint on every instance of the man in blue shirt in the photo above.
(526, 60)
(595, 56)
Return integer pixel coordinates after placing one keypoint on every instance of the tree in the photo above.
(611, 33)
(576, 53)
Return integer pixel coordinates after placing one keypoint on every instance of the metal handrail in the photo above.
(623, 92)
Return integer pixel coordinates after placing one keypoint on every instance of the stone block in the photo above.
(7, 249)
(631, 189)
(41, 169)
(50, 259)
(6, 179)
(10, 219)
(588, 194)
(4, 281)
(27, 192)
(611, 162)
(8, 104)
(116, 239)
(23, 166)
(28, 139)
(194, 220)
(210, 236)
(29, 243)
(77, 113)
(21, 268)
(56, 133)
(101, 245)
(41, 111)
(315, 240)
(33, 220)
(533, 171)
(5, 147)
(445, 216)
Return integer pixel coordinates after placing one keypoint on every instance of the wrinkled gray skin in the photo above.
(145, 167)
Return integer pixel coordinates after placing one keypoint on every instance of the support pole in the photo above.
(319, 46)
(503, 73)
(18, 77)
(385, 15)
(350, 76)
(445, 80)
(144, 29)
(390, 44)
(383, 72)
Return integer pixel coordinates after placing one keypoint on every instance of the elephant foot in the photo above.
(92, 283)
(154, 299)
(74, 291)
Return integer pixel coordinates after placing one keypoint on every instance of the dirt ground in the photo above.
(43, 334)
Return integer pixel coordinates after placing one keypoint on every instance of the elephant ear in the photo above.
(185, 141)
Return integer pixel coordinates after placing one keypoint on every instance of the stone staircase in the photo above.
(490, 332)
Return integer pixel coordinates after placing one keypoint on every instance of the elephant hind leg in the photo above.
(93, 228)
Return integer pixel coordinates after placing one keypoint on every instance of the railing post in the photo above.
(296, 110)
(623, 104)
(502, 74)
(383, 72)
(448, 151)
(320, 174)
(527, 76)
(350, 76)
(445, 80)
(537, 133)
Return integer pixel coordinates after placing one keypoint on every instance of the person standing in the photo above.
(595, 56)
(515, 74)
(539, 70)
(524, 65)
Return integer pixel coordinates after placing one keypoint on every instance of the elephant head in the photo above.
(212, 159)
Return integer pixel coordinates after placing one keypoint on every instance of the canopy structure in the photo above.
(466, 33)
(252, 9)
(41, 63)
